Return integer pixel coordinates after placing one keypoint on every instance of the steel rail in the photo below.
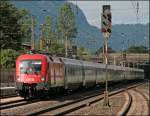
(65, 108)
(128, 106)
(17, 103)
(8, 96)
(130, 102)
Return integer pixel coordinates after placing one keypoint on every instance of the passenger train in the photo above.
(36, 73)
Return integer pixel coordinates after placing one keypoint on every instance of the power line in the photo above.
(136, 9)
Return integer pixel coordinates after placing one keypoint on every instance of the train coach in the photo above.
(38, 73)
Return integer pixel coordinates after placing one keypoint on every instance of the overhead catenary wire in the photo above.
(136, 8)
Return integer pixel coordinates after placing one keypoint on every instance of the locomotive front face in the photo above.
(30, 70)
(30, 74)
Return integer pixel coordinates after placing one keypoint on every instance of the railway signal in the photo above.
(106, 31)
(103, 23)
(106, 24)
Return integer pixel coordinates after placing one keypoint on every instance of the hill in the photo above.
(88, 35)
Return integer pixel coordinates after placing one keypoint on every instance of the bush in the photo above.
(8, 58)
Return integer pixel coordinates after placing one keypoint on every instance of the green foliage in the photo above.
(47, 33)
(83, 54)
(8, 58)
(26, 23)
(57, 49)
(10, 28)
(137, 49)
(100, 50)
(66, 22)
(50, 38)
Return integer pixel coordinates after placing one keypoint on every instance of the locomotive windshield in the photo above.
(30, 66)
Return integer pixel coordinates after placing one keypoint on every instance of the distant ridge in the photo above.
(88, 35)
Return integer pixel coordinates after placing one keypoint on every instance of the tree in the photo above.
(8, 58)
(50, 37)
(66, 24)
(48, 33)
(137, 49)
(26, 26)
(57, 49)
(84, 54)
(100, 50)
(10, 29)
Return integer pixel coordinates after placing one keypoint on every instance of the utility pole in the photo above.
(149, 50)
(66, 47)
(32, 33)
(41, 37)
(123, 50)
(137, 11)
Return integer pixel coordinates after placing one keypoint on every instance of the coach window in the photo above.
(78, 72)
(69, 71)
(73, 71)
(30, 66)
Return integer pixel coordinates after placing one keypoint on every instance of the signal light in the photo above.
(109, 30)
(104, 23)
(106, 20)
(43, 78)
(109, 17)
(104, 30)
(104, 16)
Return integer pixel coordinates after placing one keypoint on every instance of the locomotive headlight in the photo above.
(18, 78)
(42, 79)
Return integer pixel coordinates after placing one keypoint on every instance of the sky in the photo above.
(123, 12)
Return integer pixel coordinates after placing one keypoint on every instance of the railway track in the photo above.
(8, 96)
(69, 107)
(17, 103)
(137, 104)
(11, 101)
(57, 108)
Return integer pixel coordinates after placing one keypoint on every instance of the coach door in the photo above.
(52, 70)
(57, 73)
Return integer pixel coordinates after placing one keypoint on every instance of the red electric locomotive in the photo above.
(34, 75)
(38, 73)
(30, 71)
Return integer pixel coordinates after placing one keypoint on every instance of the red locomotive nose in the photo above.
(31, 68)
(30, 78)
